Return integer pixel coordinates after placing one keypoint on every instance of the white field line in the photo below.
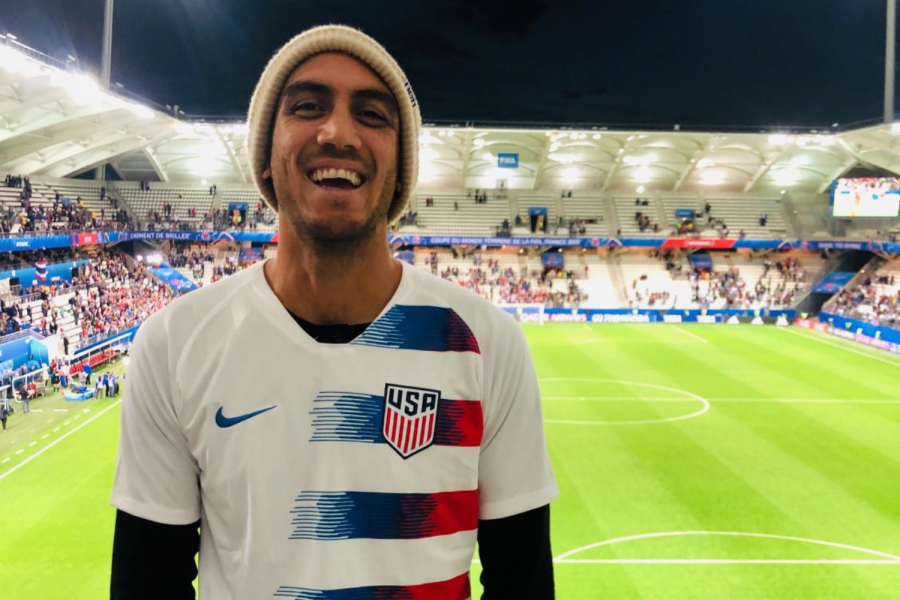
(716, 561)
(55, 430)
(35, 410)
(690, 333)
(55, 442)
(32, 444)
(4, 461)
(815, 338)
(45, 436)
(60, 410)
(717, 400)
(688, 394)
(20, 452)
(885, 557)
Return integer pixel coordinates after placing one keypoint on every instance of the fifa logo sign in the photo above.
(410, 418)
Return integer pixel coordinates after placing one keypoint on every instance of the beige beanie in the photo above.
(333, 38)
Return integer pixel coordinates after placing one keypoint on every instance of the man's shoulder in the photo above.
(486, 321)
(183, 316)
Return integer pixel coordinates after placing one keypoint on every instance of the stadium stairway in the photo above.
(849, 261)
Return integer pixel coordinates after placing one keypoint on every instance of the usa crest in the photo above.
(410, 417)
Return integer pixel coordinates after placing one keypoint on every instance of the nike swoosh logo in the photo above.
(226, 422)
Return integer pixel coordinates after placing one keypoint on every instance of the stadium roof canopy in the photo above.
(54, 123)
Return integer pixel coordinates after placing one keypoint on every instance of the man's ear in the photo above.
(267, 174)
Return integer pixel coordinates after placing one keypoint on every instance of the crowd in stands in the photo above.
(728, 289)
(875, 300)
(119, 296)
(66, 214)
(505, 286)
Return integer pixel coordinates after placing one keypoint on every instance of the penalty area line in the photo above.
(814, 338)
(691, 334)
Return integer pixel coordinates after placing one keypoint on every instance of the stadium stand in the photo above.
(459, 214)
(188, 205)
(61, 205)
(875, 299)
(588, 213)
(746, 214)
(735, 281)
(637, 217)
(505, 278)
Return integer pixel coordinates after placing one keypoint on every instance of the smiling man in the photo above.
(338, 424)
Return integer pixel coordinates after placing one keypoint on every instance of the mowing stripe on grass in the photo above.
(55, 442)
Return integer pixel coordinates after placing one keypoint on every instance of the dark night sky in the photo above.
(722, 63)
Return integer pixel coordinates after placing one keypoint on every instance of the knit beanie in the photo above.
(333, 38)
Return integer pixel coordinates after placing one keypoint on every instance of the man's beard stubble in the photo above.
(342, 239)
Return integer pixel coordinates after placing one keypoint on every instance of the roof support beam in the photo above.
(466, 157)
(539, 175)
(100, 154)
(846, 166)
(160, 170)
(65, 133)
(231, 155)
(765, 168)
(867, 161)
(57, 120)
(695, 162)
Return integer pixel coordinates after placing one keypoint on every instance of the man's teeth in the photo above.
(351, 176)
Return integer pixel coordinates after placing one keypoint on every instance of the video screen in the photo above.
(867, 197)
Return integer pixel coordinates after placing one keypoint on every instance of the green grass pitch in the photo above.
(695, 461)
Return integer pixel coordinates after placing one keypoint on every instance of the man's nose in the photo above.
(340, 130)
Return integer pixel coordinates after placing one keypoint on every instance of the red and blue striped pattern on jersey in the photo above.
(451, 589)
(353, 417)
(424, 328)
(382, 515)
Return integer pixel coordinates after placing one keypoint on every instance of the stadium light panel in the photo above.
(640, 189)
(643, 175)
(712, 180)
(895, 128)
(780, 139)
(18, 63)
(428, 154)
(203, 166)
(561, 158)
(571, 174)
(141, 111)
(786, 177)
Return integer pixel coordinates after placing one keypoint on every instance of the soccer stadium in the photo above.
(713, 316)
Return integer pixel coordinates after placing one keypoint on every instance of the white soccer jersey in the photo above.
(321, 471)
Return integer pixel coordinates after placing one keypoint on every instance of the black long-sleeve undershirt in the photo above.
(153, 561)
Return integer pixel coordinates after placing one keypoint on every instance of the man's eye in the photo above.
(306, 107)
(371, 114)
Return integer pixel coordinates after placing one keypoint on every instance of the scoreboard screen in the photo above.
(867, 197)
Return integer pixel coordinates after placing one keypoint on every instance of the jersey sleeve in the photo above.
(157, 477)
(514, 472)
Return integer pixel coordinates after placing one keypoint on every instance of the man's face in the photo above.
(334, 150)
